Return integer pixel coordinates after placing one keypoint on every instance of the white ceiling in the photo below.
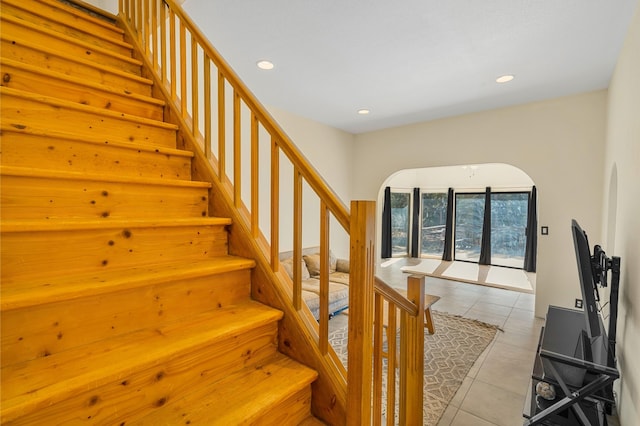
(414, 60)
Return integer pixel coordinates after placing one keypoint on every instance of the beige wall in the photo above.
(559, 143)
(621, 214)
(330, 151)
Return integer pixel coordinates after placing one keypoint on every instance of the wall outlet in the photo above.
(578, 303)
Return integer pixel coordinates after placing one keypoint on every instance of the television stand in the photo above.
(579, 368)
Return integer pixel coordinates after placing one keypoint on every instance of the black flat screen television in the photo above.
(587, 280)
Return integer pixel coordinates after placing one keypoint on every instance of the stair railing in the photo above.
(223, 123)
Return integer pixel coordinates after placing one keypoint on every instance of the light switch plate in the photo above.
(544, 230)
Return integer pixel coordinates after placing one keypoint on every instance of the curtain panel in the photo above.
(531, 232)
(415, 224)
(385, 251)
(485, 246)
(447, 253)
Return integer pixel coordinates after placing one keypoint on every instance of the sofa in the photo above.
(310, 267)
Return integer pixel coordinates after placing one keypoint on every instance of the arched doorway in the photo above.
(466, 222)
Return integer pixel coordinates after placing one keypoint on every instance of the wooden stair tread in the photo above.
(4, 127)
(23, 293)
(56, 102)
(85, 16)
(49, 379)
(71, 40)
(62, 20)
(47, 73)
(52, 52)
(70, 175)
(240, 398)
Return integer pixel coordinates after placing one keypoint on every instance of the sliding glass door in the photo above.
(434, 221)
(400, 219)
(508, 228)
(468, 226)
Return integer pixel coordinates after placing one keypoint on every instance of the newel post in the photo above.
(361, 297)
(412, 356)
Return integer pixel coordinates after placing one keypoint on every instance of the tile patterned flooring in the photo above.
(495, 389)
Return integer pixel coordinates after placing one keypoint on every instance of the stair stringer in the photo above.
(297, 330)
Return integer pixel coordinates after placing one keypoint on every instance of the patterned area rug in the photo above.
(449, 355)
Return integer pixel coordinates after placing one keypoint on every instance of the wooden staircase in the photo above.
(120, 302)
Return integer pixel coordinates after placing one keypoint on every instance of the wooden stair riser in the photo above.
(48, 329)
(56, 152)
(54, 19)
(17, 28)
(29, 112)
(290, 411)
(41, 253)
(146, 385)
(41, 81)
(41, 197)
(258, 396)
(24, 50)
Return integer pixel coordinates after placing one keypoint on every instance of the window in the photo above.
(400, 214)
(434, 221)
(469, 218)
(508, 228)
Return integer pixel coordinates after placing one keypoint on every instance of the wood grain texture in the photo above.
(14, 27)
(361, 312)
(31, 249)
(139, 371)
(22, 109)
(58, 19)
(50, 328)
(41, 148)
(25, 50)
(49, 83)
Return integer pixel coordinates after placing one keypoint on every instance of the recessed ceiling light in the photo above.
(265, 65)
(363, 111)
(504, 78)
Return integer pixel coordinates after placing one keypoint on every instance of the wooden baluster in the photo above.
(275, 204)
(297, 239)
(255, 189)
(207, 105)
(183, 69)
(172, 53)
(237, 150)
(195, 89)
(361, 290)
(324, 279)
(412, 355)
(138, 20)
(154, 28)
(377, 358)
(221, 128)
(146, 30)
(163, 42)
(391, 364)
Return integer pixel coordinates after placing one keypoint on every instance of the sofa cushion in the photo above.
(313, 263)
(339, 277)
(287, 264)
(342, 265)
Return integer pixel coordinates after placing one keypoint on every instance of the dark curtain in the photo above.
(485, 246)
(448, 230)
(532, 232)
(385, 252)
(415, 224)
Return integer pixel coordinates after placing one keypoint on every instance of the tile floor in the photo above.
(494, 391)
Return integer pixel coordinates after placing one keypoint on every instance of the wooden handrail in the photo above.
(165, 50)
(311, 176)
(394, 296)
